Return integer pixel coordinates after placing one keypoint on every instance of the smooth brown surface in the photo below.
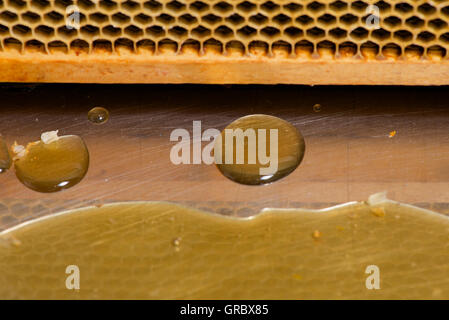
(349, 152)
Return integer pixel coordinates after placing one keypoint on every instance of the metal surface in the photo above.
(349, 151)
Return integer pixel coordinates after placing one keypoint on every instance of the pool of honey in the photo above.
(198, 242)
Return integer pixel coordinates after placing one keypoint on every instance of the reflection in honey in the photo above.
(53, 163)
(161, 250)
(5, 158)
(266, 143)
(98, 115)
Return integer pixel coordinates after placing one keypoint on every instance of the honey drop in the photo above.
(5, 158)
(98, 115)
(258, 149)
(53, 163)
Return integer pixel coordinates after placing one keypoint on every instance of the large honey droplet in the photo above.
(5, 158)
(52, 164)
(258, 149)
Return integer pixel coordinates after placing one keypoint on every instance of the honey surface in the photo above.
(161, 251)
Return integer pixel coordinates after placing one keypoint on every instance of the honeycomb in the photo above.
(409, 29)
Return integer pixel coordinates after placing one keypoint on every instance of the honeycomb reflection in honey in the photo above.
(98, 115)
(283, 151)
(282, 28)
(53, 163)
(5, 158)
(160, 250)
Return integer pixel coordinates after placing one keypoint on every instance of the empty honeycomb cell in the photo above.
(57, 47)
(281, 49)
(44, 31)
(190, 46)
(436, 52)
(258, 48)
(212, 46)
(426, 36)
(187, 19)
(311, 28)
(359, 6)
(235, 48)
(359, 33)
(258, 19)
(30, 17)
(102, 46)
(86, 4)
(304, 49)
(21, 30)
(18, 4)
(427, 9)
(349, 19)
(146, 47)
(338, 6)
(201, 32)
(392, 22)
(391, 51)
(67, 33)
(383, 6)
(315, 6)
(235, 19)
(338, 33)
(111, 31)
(211, 19)
(79, 46)
(315, 33)
(152, 6)
(167, 46)
(108, 4)
(381, 34)
(53, 17)
(98, 17)
(224, 32)
(403, 35)
(293, 32)
(270, 32)
(8, 16)
(199, 6)
(154, 31)
(326, 49)
(347, 49)
(437, 24)
(35, 46)
(123, 46)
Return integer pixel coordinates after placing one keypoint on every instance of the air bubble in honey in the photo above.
(98, 115)
(5, 158)
(53, 163)
(258, 149)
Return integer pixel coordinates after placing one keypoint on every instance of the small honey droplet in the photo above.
(5, 157)
(317, 107)
(258, 149)
(98, 115)
(53, 163)
(316, 235)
